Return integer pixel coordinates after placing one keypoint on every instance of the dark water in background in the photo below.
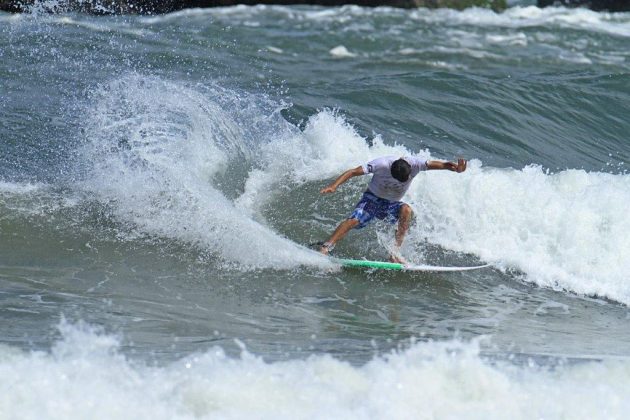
(159, 177)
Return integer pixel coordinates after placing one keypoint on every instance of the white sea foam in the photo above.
(85, 376)
(328, 146)
(564, 230)
(116, 28)
(517, 39)
(530, 16)
(341, 51)
(156, 148)
(60, 6)
(183, 14)
(274, 49)
(33, 199)
(19, 187)
(574, 57)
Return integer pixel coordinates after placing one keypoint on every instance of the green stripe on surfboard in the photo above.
(370, 264)
(402, 267)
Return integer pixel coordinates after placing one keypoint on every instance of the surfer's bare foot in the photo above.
(397, 259)
(326, 248)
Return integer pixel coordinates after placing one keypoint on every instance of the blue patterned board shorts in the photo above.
(371, 206)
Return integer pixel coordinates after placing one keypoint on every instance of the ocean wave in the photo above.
(557, 228)
(520, 36)
(188, 165)
(513, 17)
(85, 375)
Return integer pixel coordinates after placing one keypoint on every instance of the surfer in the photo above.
(391, 178)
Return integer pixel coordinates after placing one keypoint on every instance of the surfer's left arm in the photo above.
(458, 167)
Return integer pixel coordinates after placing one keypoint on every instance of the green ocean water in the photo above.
(159, 187)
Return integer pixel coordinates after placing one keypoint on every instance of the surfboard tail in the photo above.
(437, 268)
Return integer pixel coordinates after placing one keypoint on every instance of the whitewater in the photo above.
(159, 189)
(85, 375)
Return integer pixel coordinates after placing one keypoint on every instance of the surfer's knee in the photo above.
(352, 222)
(406, 212)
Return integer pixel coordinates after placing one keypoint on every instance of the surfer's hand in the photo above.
(458, 167)
(328, 189)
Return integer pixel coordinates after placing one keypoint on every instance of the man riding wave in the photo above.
(391, 178)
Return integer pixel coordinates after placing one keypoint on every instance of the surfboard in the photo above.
(349, 263)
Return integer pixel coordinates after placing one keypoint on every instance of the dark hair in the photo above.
(401, 169)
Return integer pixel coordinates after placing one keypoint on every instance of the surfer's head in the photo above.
(401, 169)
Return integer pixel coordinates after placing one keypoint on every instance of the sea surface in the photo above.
(159, 189)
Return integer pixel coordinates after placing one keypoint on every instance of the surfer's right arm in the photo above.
(458, 167)
(343, 178)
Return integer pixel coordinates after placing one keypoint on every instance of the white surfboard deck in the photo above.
(437, 268)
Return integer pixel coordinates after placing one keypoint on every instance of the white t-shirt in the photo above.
(383, 184)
